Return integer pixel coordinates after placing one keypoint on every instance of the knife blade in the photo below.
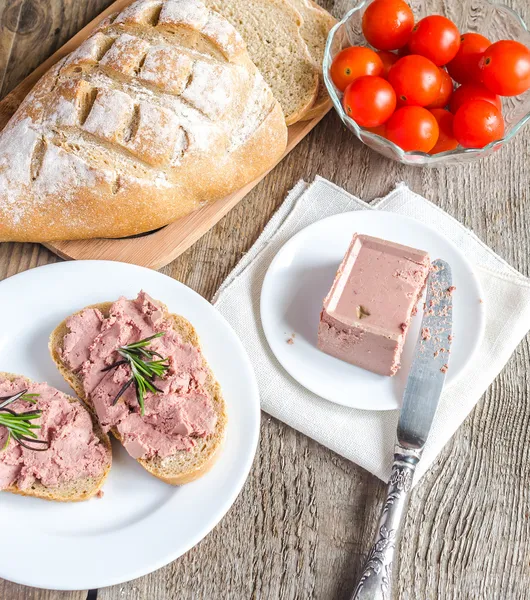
(420, 401)
(431, 360)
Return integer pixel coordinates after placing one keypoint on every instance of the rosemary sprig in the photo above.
(143, 367)
(20, 426)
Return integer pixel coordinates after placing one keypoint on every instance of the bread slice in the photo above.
(74, 491)
(317, 24)
(184, 466)
(272, 32)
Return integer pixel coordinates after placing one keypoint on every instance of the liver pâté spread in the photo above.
(74, 452)
(174, 417)
(366, 315)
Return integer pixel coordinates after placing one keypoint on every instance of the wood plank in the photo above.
(11, 591)
(305, 516)
(32, 30)
(10, 18)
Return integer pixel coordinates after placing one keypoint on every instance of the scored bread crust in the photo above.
(158, 112)
(185, 466)
(75, 491)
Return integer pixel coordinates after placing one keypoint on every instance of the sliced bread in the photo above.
(71, 491)
(185, 465)
(317, 24)
(272, 32)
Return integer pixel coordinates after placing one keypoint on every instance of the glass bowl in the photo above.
(487, 17)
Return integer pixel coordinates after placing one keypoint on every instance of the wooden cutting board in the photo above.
(158, 248)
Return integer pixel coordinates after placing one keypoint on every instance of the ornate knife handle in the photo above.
(376, 578)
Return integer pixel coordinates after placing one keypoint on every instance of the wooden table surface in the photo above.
(306, 516)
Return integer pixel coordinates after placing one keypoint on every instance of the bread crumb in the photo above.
(290, 341)
(414, 311)
(481, 301)
(444, 368)
(100, 494)
(425, 333)
(451, 289)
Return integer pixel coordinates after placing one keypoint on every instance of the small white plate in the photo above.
(141, 523)
(301, 275)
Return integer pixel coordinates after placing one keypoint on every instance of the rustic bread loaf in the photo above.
(159, 111)
(184, 466)
(72, 491)
(272, 30)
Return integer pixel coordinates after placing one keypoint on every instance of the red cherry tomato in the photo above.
(416, 80)
(354, 62)
(472, 91)
(445, 92)
(389, 59)
(369, 101)
(387, 24)
(436, 38)
(505, 68)
(379, 130)
(478, 123)
(446, 139)
(464, 66)
(413, 128)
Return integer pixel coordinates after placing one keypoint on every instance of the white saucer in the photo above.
(141, 523)
(301, 275)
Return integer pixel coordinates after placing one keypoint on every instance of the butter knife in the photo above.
(420, 400)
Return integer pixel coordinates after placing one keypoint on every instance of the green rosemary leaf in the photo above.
(20, 426)
(7, 400)
(32, 398)
(145, 342)
(143, 367)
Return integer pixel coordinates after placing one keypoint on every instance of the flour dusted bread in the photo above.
(159, 111)
(67, 490)
(272, 30)
(181, 466)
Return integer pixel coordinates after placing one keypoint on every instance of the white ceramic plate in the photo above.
(140, 524)
(301, 275)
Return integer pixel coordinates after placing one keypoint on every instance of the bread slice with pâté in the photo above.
(183, 466)
(65, 490)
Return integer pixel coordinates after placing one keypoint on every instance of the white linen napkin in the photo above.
(367, 437)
